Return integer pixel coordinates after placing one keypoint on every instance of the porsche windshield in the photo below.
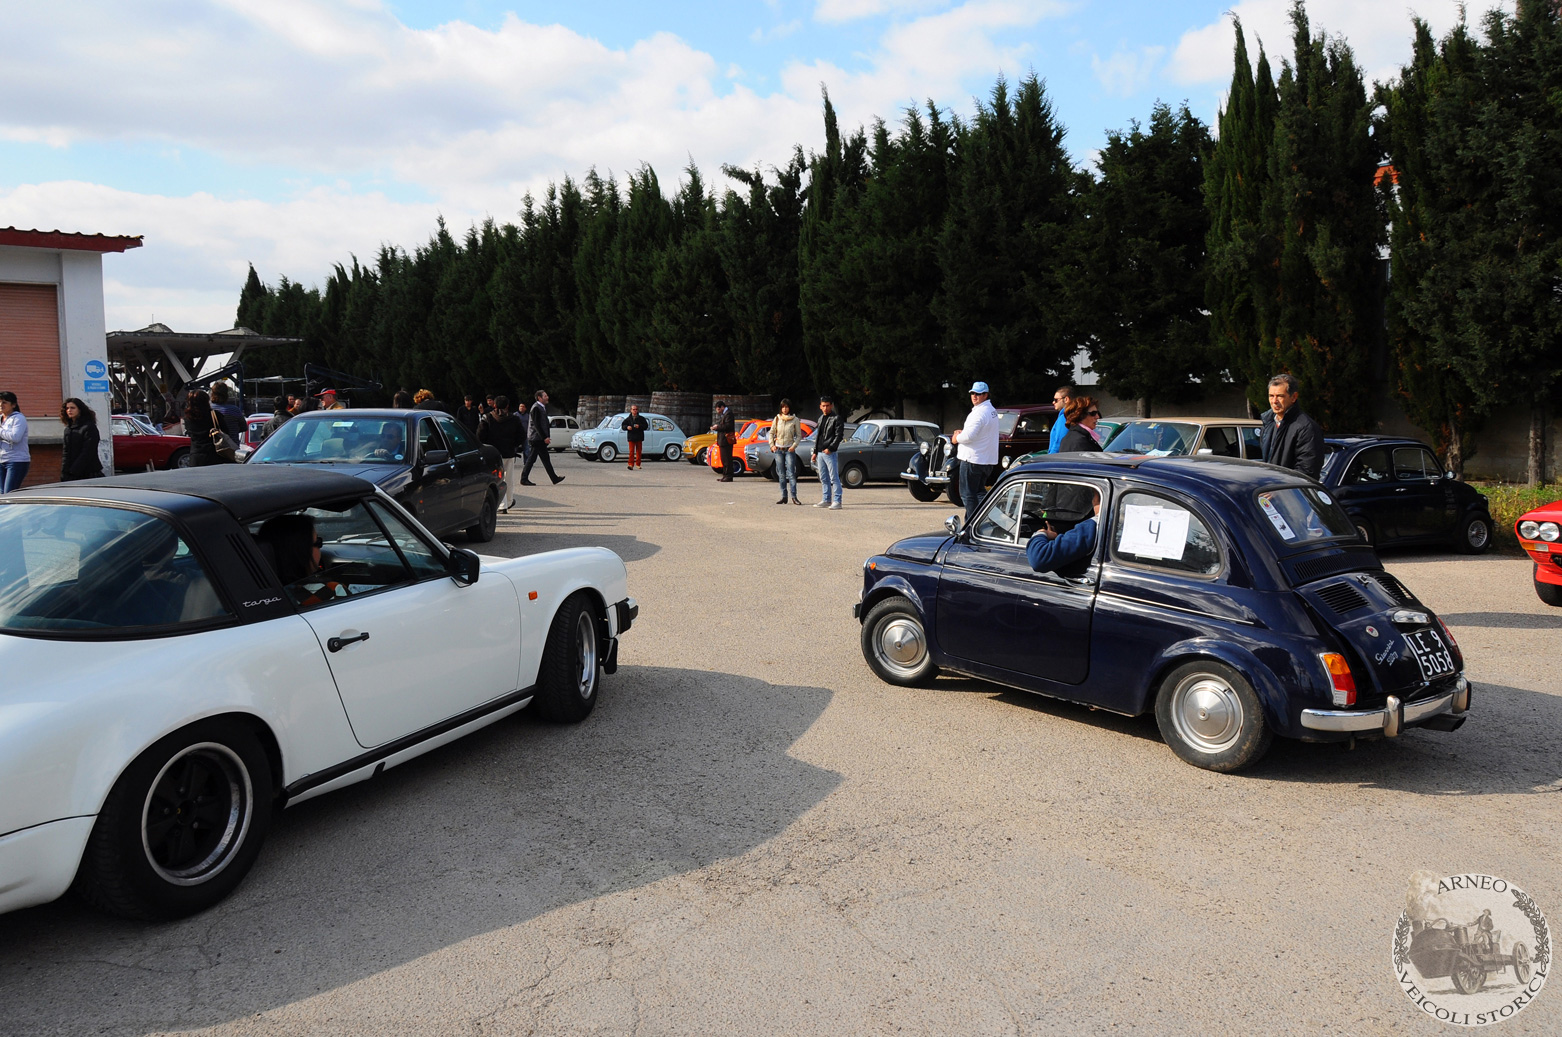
(83, 570)
(333, 440)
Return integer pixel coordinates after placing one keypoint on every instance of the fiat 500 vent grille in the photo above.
(1342, 598)
(1395, 589)
(1314, 568)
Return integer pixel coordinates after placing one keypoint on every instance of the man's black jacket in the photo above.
(634, 428)
(828, 435)
(538, 426)
(503, 433)
(1296, 444)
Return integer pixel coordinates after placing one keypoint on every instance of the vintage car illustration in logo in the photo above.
(1470, 949)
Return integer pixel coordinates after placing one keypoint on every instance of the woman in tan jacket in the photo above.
(785, 431)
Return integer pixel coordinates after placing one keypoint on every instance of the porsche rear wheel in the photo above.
(182, 825)
(894, 642)
(571, 665)
(1211, 717)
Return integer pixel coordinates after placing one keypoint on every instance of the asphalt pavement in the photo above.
(753, 835)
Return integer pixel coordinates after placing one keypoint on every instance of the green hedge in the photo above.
(1507, 502)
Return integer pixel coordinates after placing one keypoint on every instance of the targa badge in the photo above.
(1470, 950)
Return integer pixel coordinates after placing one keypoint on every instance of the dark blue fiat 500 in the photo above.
(1234, 599)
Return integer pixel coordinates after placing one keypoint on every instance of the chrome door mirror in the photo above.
(952, 523)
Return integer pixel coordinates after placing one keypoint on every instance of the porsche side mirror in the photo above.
(952, 523)
(463, 566)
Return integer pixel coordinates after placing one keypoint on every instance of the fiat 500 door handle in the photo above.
(336, 644)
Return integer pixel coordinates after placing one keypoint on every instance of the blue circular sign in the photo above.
(96, 369)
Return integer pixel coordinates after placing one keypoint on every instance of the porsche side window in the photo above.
(417, 554)
(1001, 520)
(1370, 466)
(1154, 531)
(85, 571)
(354, 556)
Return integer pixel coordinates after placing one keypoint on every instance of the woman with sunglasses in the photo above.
(295, 551)
(1082, 414)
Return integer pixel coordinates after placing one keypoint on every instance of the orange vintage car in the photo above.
(748, 432)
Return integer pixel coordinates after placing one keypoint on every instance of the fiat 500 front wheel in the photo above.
(1211, 717)
(894, 643)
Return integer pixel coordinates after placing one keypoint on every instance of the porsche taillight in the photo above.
(1342, 682)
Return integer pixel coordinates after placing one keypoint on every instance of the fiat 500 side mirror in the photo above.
(952, 523)
(463, 566)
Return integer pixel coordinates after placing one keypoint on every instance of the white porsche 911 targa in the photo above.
(184, 652)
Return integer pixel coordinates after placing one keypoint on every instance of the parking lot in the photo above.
(752, 834)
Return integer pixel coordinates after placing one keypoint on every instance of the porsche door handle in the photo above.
(336, 644)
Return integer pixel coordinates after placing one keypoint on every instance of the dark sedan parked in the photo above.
(1233, 599)
(879, 449)
(1396, 492)
(425, 459)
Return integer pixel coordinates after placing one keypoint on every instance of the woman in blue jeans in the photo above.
(14, 457)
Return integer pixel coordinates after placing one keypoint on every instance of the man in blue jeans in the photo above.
(827, 440)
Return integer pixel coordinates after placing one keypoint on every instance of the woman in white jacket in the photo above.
(14, 457)
(785, 432)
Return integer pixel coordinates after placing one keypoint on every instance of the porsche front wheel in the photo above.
(182, 825)
(1211, 717)
(571, 665)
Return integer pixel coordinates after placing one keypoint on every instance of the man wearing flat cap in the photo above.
(976, 448)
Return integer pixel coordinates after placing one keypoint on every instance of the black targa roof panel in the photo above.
(246, 491)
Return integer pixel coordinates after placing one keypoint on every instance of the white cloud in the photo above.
(1127, 72)
(853, 10)
(1379, 34)
(775, 32)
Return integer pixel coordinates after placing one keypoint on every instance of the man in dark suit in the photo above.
(538, 439)
(1290, 438)
(724, 437)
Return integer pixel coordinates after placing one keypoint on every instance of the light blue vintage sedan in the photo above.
(608, 440)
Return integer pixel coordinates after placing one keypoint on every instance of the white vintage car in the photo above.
(183, 653)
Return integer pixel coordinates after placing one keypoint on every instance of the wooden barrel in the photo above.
(747, 407)
(690, 411)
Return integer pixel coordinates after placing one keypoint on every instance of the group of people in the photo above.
(522, 437)
(79, 455)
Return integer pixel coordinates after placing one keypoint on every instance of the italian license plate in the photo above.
(1430, 653)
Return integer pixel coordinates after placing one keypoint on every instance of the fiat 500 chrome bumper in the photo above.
(1395, 715)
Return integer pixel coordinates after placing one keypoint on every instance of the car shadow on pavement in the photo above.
(1503, 620)
(675, 770)
(530, 542)
(1505, 747)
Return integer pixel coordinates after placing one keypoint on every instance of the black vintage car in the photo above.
(425, 459)
(1396, 492)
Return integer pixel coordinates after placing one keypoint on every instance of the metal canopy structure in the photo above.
(141, 362)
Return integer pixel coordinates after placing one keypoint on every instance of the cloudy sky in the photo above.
(292, 133)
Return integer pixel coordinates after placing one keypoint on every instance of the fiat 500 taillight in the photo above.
(1342, 681)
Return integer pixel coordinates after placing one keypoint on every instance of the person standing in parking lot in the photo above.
(827, 440)
(1060, 400)
(538, 439)
(79, 459)
(503, 431)
(468, 414)
(723, 427)
(1290, 438)
(634, 433)
(785, 432)
(280, 413)
(976, 448)
(15, 459)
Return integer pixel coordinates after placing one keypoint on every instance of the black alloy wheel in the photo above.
(571, 663)
(182, 825)
(487, 520)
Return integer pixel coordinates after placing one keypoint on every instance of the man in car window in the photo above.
(1291, 438)
(1048, 550)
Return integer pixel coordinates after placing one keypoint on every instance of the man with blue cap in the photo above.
(976, 448)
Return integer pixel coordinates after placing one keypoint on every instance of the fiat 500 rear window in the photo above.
(1298, 515)
(90, 571)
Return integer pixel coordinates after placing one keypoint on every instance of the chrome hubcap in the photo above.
(901, 644)
(586, 637)
(1207, 713)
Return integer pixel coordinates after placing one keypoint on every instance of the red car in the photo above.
(138, 444)
(1540, 533)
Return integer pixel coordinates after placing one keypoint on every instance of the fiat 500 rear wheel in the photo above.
(1211, 717)
(895, 643)
(182, 825)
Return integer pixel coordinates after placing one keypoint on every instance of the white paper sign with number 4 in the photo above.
(1154, 532)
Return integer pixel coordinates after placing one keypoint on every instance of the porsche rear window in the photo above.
(1298, 515)
(89, 571)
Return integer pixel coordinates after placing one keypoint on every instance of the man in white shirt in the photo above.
(976, 448)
